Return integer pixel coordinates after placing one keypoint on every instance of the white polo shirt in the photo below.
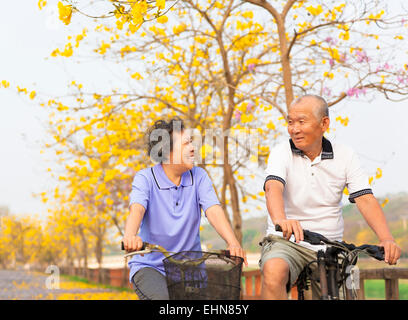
(313, 189)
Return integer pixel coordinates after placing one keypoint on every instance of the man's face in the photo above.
(183, 150)
(304, 127)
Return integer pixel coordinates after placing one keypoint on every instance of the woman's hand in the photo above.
(132, 243)
(236, 250)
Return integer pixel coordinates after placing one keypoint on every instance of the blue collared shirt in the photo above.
(173, 213)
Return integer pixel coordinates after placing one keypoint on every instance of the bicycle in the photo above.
(333, 274)
(198, 275)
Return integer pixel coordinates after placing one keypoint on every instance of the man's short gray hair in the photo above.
(322, 109)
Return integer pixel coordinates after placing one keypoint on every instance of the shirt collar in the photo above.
(327, 149)
(163, 182)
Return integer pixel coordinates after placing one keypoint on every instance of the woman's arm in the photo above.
(216, 217)
(131, 241)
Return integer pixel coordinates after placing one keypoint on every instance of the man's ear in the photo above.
(325, 123)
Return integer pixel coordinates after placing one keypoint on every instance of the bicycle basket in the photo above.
(198, 275)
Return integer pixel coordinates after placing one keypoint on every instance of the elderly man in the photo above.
(305, 179)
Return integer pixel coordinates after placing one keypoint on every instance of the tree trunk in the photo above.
(283, 43)
(230, 181)
(224, 196)
(98, 254)
(84, 252)
(285, 61)
(236, 213)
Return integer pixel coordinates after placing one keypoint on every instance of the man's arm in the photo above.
(131, 241)
(276, 208)
(374, 215)
(216, 217)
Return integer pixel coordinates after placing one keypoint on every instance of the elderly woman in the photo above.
(165, 208)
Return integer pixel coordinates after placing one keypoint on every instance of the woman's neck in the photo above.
(172, 173)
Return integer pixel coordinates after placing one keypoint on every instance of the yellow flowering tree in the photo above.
(132, 13)
(228, 65)
(20, 240)
(224, 93)
(338, 48)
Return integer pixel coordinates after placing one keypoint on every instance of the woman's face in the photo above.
(183, 150)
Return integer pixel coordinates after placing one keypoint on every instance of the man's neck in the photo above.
(314, 151)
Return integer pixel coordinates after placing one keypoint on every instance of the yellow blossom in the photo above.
(315, 11)
(5, 84)
(136, 76)
(386, 200)
(160, 4)
(65, 12)
(162, 19)
(41, 4)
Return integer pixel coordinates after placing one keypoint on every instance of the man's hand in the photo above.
(132, 243)
(291, 226)
(236, 250)
(392, 251)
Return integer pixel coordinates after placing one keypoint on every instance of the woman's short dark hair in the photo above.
(160, 138)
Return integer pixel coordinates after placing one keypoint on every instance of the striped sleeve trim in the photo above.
(271, 177)
(359, 194)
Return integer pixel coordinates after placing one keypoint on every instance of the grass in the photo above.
(375, 289)
(80, 280)
(74, 282)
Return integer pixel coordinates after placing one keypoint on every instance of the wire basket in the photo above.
(198, 275)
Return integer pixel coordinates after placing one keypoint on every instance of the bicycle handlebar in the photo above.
(309, 236)
(147, 246)
(315, 238)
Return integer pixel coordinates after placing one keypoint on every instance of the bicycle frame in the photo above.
(329, 276)
(328, 265)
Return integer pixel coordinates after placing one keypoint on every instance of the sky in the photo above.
(377, 128)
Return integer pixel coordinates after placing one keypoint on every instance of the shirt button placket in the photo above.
(313, 179)
(177, 197)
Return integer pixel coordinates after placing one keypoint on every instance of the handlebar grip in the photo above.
(376, 252)
(145, 244)
(227, 253)
(308, 236)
